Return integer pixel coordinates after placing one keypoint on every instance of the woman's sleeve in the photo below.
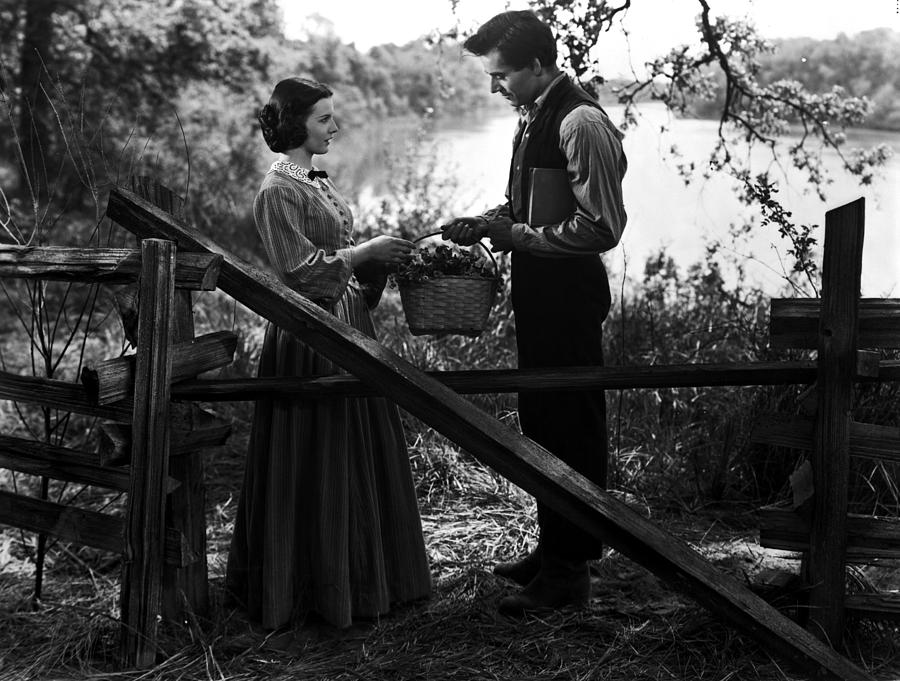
(285, 222)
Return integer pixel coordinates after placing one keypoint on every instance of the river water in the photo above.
(664, 213)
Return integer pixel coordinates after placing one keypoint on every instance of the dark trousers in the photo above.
(560, 305)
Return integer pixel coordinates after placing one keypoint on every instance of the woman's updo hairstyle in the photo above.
(283, 119)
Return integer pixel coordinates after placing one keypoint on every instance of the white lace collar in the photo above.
(297, 172)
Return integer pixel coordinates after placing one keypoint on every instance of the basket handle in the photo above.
(478, 243)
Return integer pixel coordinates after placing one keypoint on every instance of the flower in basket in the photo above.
(429, 262)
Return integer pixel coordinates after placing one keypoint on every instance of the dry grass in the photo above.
(636, 627)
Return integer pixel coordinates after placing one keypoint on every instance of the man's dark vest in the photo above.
(541, 149)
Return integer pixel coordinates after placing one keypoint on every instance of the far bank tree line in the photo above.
(864, 65)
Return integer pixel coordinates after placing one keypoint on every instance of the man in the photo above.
(560, 291)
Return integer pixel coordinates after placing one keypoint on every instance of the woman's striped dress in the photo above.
(327, 520)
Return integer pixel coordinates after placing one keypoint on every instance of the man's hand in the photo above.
(500, 233)
(464, 231)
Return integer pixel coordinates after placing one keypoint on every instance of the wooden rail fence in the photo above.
(818, 523)
(162, 536)
(162, 370)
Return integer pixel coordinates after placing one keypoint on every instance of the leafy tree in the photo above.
(124, 64)
(864, 65)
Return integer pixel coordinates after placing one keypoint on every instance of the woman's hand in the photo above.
(383, 249)
(464, 231)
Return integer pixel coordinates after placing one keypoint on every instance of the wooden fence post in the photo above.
(841, 269)
(145, 525)
(186, 589)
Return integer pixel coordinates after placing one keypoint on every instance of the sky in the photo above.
(654, 25)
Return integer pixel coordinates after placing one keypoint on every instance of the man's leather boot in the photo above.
(560, 583)
(521, 571)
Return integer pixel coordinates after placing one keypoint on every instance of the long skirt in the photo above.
(327, 521)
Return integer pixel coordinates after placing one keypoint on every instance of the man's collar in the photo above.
(541, 98)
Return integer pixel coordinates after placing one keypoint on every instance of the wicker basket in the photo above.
(449, 304)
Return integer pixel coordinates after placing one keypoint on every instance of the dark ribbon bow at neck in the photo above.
(313, 174)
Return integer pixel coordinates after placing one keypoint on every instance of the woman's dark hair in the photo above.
(519, 36)
(283, 119)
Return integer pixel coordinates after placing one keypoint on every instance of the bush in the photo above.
(686, 444)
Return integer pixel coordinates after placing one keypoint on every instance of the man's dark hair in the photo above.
(518, 36)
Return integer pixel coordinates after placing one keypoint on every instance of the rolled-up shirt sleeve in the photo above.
(496, 213)
(596, 165)
(284, 220)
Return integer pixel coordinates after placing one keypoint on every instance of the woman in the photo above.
(327, 521)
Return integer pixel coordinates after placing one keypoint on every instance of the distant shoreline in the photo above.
(610, 102)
